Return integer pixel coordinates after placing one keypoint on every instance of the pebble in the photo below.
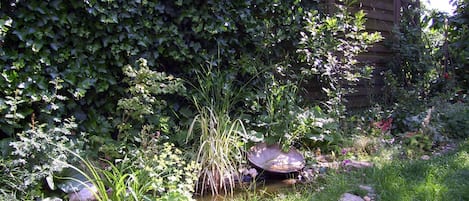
(425, 157)
(367, 188)
(366, 198)
(85, 194)
(350, 197)
(371, 195)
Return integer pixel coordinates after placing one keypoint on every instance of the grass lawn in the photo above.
(440, 178)
(444, 177)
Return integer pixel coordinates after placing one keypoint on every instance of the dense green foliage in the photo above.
(459, 45)
(330, 46)
(87, 48)
(155, 172)
(118, 79)
(426, 81)
(115, 65)
(84, 51)
(431, 53)
(145, 105)
(36, 158)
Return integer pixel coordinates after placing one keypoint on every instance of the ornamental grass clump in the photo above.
(217, 135)
(219, 151)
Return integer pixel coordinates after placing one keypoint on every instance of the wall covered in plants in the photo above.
(64, 58)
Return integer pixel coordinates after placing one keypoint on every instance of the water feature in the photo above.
(264, 188)
(278, 171)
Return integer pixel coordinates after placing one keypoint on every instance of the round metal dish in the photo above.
(273, 159)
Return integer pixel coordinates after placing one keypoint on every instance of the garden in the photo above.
(114, 100)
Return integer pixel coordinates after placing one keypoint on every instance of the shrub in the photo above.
(145, 102)
(155, 172)
(455, 120)
(86, 43)
(34, 159)
(330, 45)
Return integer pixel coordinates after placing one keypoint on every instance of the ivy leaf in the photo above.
(19, 34)
(36, 46)
(54, 46)
(87, 83)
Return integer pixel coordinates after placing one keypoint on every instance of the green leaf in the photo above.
(36, 46)
(87, 83)
(74, 182)
(50, 182)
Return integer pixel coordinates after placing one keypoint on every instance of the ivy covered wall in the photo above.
(64, 58)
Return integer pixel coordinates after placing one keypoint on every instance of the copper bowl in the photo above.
(271, 158)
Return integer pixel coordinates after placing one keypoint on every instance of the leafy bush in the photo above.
(330, 45)
(431, 54)
(155, 172)
(164, 170)
(274, 111)
(145, 104)
(455, 120)
(276, 116)
(458, 47)
(35, 156)
(86, 43)
(421, 130)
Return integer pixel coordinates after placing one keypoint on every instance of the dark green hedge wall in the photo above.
(64, 58)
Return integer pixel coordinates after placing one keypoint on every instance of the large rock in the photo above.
(350, 197)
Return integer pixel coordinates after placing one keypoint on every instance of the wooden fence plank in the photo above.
(378, 25)
(380, 15)
(372, 58)
(378, 4)
(379, 49)
(397, 11)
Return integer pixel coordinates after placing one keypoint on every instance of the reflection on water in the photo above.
(265, 188)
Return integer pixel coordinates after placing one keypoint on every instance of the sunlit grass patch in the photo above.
(440, 178)
(444, 177)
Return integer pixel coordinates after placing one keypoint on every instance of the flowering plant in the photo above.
(385, 124)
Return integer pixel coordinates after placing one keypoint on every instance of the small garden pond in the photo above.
(264, 187)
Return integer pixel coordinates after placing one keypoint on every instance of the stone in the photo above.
(369, 189)
(371, 192)
(357, 164)
(52, 199)
(306, 175)
(247, 178)
(253, 172)
(350, 197)
(330, 165)
(366, 198)
(85, 194)
(425, 157)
